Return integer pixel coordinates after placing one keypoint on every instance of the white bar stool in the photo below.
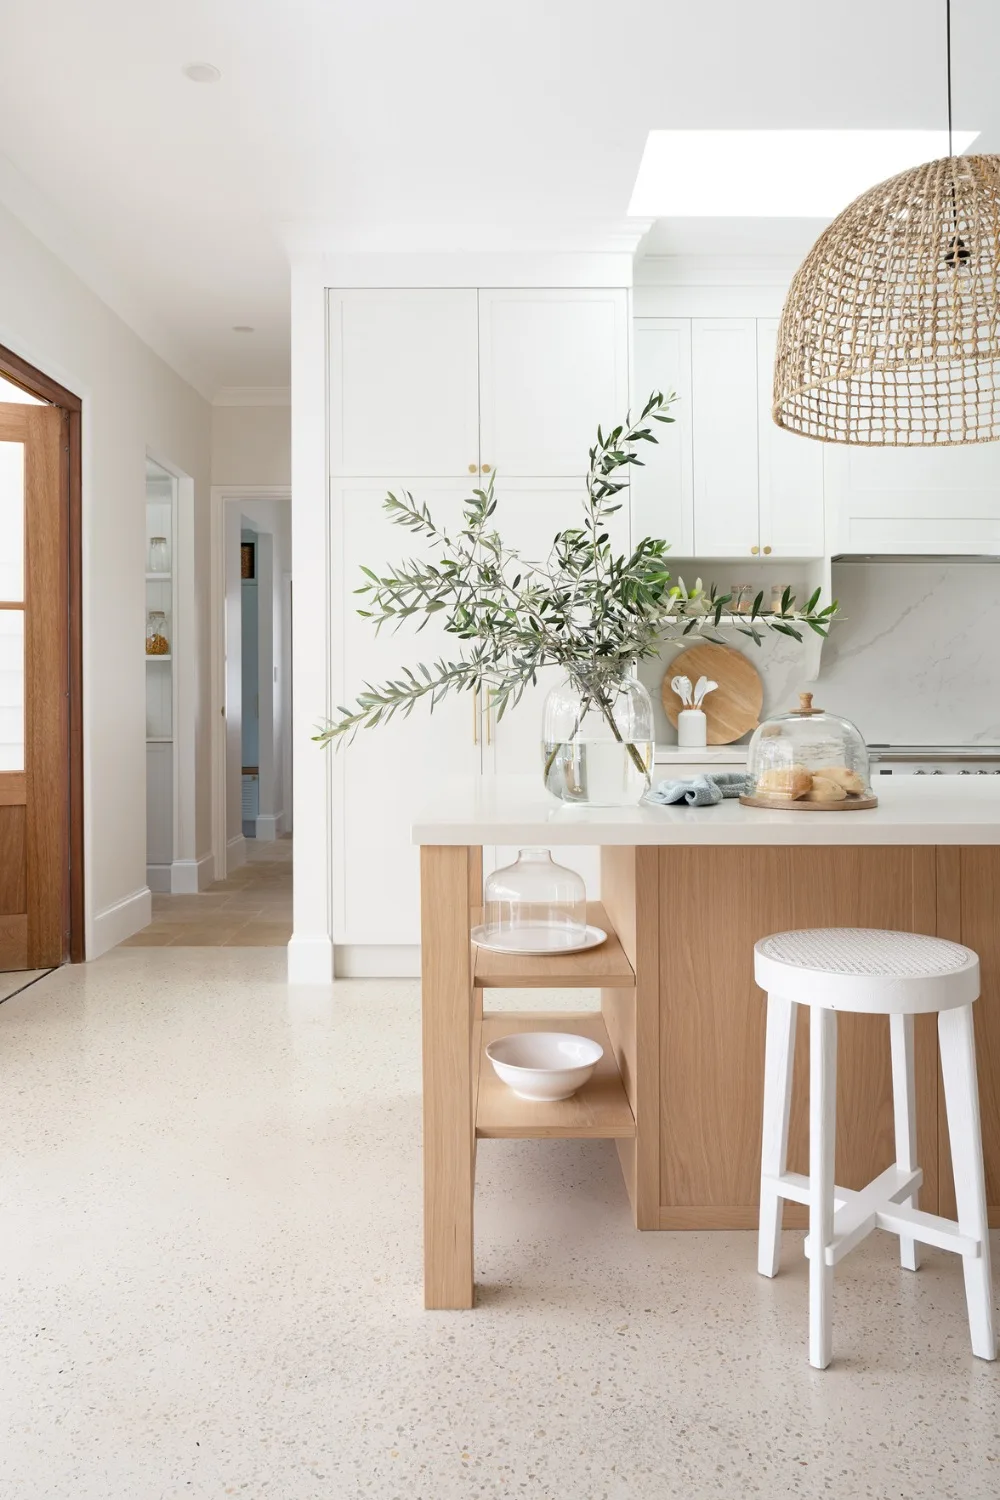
(899, 975)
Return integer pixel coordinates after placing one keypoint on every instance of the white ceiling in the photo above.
(398, 117)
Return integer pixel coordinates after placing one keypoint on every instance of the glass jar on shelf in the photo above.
(157, 633)
(809, 759)
(534, 906)
(159, 555)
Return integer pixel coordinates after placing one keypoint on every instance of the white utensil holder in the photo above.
(692, 729)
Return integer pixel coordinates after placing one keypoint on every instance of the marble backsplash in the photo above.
(912, 658)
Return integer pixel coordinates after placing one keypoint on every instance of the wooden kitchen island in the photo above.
(685, 894)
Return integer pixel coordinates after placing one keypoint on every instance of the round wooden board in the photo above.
(799, 804)
(734, 707)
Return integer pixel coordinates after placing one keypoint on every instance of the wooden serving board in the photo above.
(734, 708)
(799, 804)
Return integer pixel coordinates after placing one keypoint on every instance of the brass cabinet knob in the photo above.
(486, 468)
(767, 550)
(473, 468)
(755, 550)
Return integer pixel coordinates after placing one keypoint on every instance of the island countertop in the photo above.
(941, 810)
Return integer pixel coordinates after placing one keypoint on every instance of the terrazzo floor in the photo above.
(210, 1284)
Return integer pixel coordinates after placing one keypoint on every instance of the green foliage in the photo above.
(584, 608)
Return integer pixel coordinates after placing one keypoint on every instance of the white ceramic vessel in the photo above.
(544, 1066)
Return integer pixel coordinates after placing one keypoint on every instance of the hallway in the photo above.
(251, 908)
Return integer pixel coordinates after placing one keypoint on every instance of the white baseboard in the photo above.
(236, 853)
(189, 876)
(310, 960)
(158, 878)
(269, 826)
(377, 961)
(118, 922)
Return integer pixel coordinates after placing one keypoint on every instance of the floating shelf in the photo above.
(605, 967)
(166, 657)
(158, 577)
(599, 1111)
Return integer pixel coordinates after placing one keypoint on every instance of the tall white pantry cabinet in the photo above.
(433, 391)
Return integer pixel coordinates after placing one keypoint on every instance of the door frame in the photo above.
(37, 383)
(221, 496)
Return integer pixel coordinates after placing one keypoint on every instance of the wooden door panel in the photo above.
(13, 870)
(34, 801)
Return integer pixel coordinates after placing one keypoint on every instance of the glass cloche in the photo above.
(534, 906)
(808, 756)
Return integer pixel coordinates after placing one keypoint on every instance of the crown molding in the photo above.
(253, 395)
(39, 216)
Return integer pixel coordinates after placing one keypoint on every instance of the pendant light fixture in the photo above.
(890, 334)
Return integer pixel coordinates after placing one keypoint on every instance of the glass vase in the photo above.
(597, 741)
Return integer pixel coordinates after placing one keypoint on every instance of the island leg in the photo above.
(447, 1006)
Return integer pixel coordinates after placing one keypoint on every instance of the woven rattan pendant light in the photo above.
(890, 334)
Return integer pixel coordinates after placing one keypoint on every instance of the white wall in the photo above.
(132, 400)
(252, 445)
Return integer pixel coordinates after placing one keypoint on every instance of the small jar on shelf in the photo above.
(159, 555)
(157, 633)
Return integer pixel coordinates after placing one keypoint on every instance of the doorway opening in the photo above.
(42, 893)
(252, 577)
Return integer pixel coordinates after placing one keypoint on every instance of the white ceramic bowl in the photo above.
(544, 1065)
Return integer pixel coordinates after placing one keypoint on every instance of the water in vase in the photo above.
(602, 772)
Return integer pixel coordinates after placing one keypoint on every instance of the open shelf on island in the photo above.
(605, 967)
(598, 1111)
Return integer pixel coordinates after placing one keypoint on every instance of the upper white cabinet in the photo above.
(725, 482)
(790, 470)
(404, 383)
(724, 424)
(553, 364)
(661, 490)
(915, 500)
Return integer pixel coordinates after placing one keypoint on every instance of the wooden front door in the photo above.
(34, 688)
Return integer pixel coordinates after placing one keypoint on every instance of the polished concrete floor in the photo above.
(252, 908)
(210, 1284)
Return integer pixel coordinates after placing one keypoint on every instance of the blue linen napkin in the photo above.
(700, 791)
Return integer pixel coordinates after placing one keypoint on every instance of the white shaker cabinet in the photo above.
(725, 434)
(404, 382)
(662, 494)
(381, 780)
(915, 501)
(790, 470)
(553, 364)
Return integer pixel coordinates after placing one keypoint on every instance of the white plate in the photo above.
(537, 942)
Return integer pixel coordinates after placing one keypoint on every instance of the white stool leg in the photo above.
(961, 1093)
(905, 1117)
(822, 1146)
(779, 1050)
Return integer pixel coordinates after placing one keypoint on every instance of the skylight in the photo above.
(788, 174)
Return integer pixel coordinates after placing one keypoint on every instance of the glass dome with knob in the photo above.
(808, 760)
(535, 906)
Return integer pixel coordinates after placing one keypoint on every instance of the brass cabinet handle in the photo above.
(486, 468)
(475, 716)
(755, 550)
(473, 468)
(768, 551)
(489, 716)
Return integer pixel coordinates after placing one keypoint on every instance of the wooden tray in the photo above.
(734, 708)
(799, 804)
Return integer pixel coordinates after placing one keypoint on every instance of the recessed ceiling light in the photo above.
(786, 174)
(202, 72)
(242, 328)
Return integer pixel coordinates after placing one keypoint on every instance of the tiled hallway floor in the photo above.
(252, 908)
(210, 1284)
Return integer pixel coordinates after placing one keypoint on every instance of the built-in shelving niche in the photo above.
(160, 685)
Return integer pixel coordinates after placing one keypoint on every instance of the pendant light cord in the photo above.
(947, 24)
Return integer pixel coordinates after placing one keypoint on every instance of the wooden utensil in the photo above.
(735, 706)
